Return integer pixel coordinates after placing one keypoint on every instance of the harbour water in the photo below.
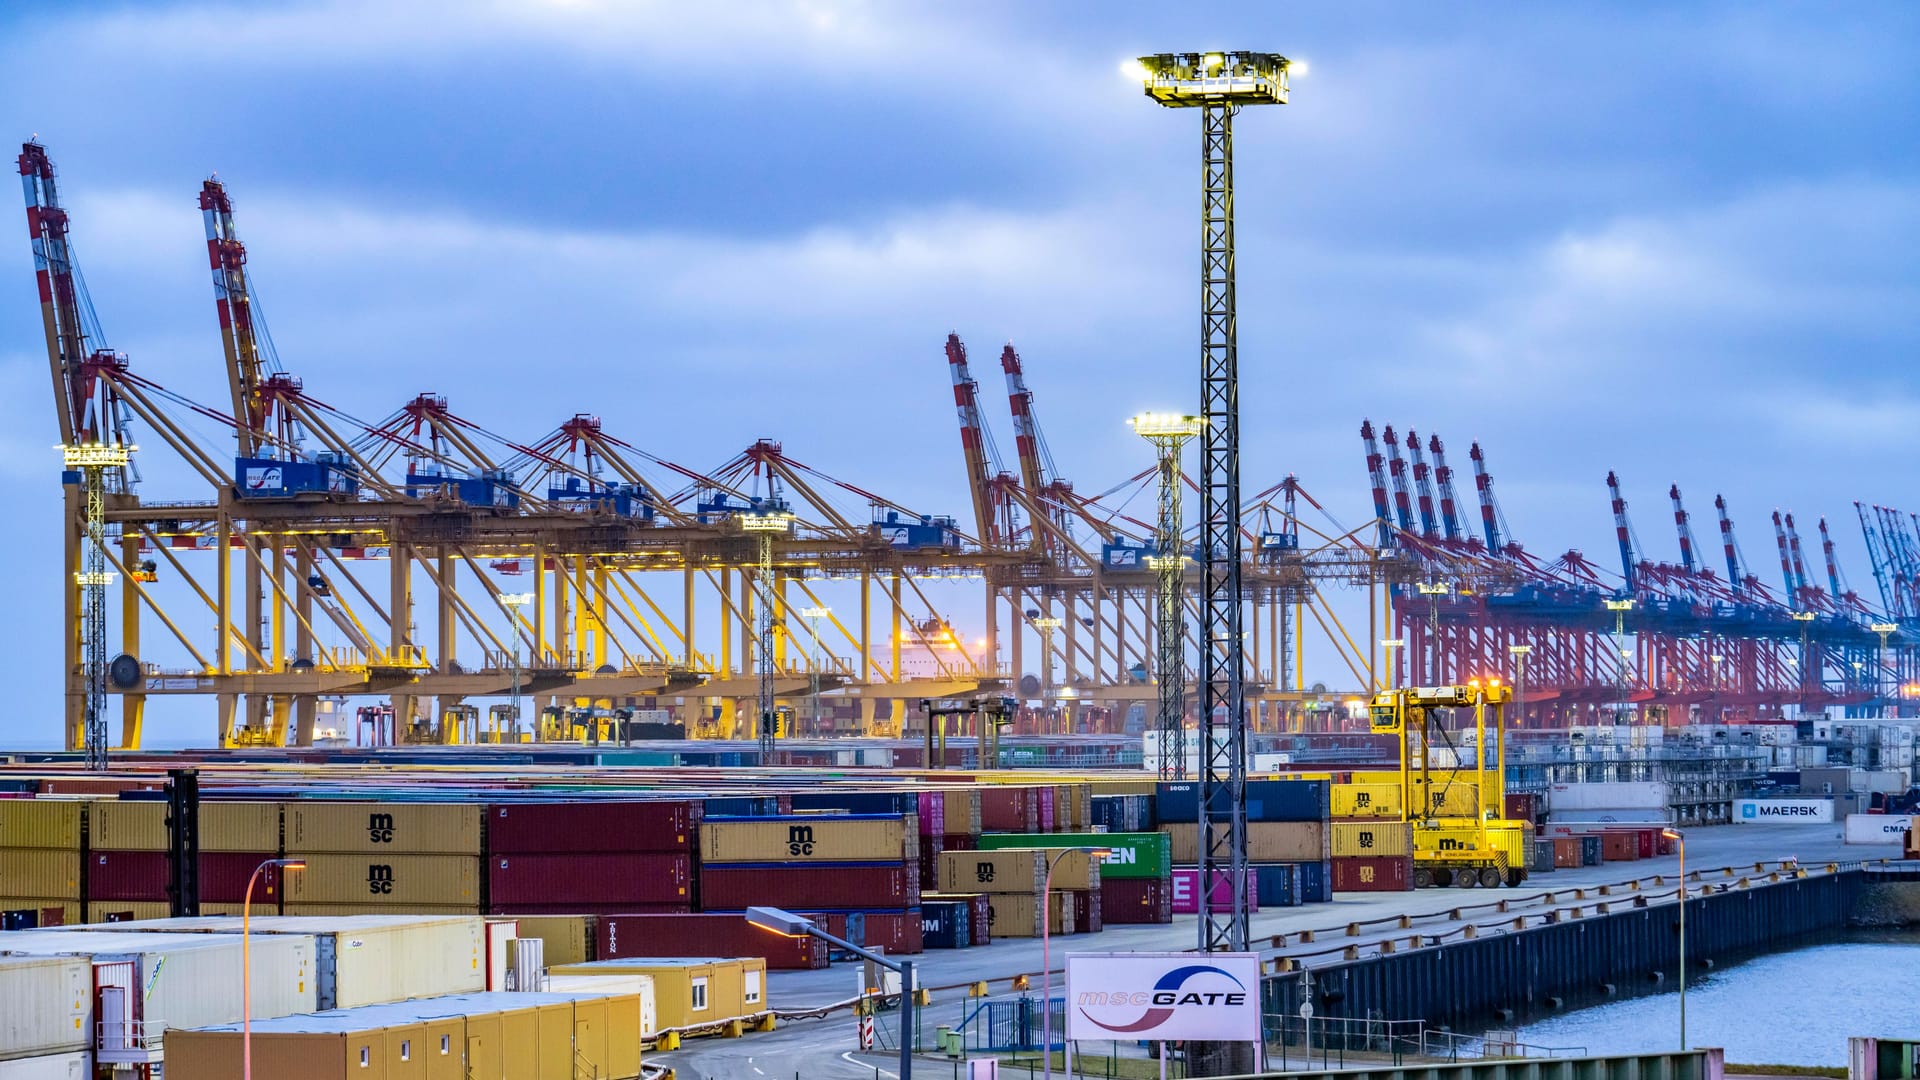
(1791, 1008)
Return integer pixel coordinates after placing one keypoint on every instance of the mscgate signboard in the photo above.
(1164, 996)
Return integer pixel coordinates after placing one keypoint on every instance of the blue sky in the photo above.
(1676, 241)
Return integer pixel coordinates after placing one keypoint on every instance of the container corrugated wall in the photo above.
(803, 839)
(240, 826)
(118, 825)
(377, 828)
(46, 1005)
(377, 882)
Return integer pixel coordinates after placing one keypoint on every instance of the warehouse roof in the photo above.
(420, 1010)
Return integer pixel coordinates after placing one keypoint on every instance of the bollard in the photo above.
(1406, 922)
(1471, 931)
(1353, 929)
(1606, 890)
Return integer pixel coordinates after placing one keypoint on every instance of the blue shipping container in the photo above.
(1267, 800)
(860, 802)
(1279, 884)
(1316, 882)
(943, 924)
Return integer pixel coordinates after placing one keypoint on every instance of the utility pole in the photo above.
(1219, 84)
(766, 521)
(1169, 433)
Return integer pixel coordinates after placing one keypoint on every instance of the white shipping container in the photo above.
(77, 1065)
(1888, 781)
(1879, 828)
(366, 959)
(1615, 795)
(177, 980)
(1764, 811)
(1582, 822)
(46, 1006)
(641, 985)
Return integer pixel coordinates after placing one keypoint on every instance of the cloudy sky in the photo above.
(1679, 242)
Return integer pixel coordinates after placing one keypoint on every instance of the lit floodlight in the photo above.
(96, 455)
(766, 523)
(1216, 78)
(1154, 425)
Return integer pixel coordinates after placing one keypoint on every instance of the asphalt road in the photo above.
(822, 1049)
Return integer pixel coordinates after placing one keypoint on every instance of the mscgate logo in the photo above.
(1164, 997)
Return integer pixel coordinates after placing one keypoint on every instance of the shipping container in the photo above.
(101, 912)
(40, 823)
(46, 1005)
(979, 913)
(1136, 900)
(1267, 801)
(1267, 841)
(127, 825)
(1186, 890)
(1016, 870)
(620, 936)
(378, 881)
(595, 910)
(1385, 873)
(639, 986)
(40, 871)
(1366, 800)
(27, 912)
(184, 980)
(597, 826)
(690, 992)
(1567, 800)
(894, 933)
(1592, 851)
(1316, 881)
(1005, 808)
(1134, 855)
(808, 839)
(224, 876)
(932, 815)
(1619, 846)
(962, 810)
(1879, 828)
(1369, 839)
(853, 886)
(943, 924)
(1567, 852)
(1278, 884)
(567, 939)
(127, 875)
(1523, 806)
(239, 826)
(382, 828)
(1088, 911)
(594, 878)
(1017, 915)
(850, 801)
(73, 1065)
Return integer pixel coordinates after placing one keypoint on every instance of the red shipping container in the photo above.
(1566, 852)
(589, 879)
(959, 842)
(600, 825)
(602, 910)
(1126, 901)
(1663, 844)
(1088, 911)
(224, 874)
(1523, 806)
(854, 887)
(1648, 846)
(127, 875)
(1375, 873)
(1619, 846)
(896, 933)
(706, 935)
(1004, 808)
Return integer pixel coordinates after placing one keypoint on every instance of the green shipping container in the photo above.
(1135, 854)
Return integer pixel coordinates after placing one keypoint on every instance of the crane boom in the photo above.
(1807, 591)
(233, 300)
(973, 440)
(1397, 470)
(1377, 475)
(1492, 522)
(1681, 525)
(1423, 483)
(1890, 597)
(61, 304)
(1624, 530)
(1786, 558)
(1449, 499)
(1735, 579)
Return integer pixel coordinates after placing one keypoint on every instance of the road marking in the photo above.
(848, 1058)
(757, 1068)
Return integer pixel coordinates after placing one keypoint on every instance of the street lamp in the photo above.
(787, 924)
(246, 960)
(813, 615)
(1046, 956)
(513, 602)
(1680, 838)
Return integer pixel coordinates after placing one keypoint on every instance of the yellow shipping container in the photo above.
(48, 910)
(1017, 915)
(374, 828)
(41, 823)
(127, 825)
(1366, 800)
(1267, 841)
(348, 908)
(240, 826)
(961, 808)
(101, 911)
(1364, 838)
(800, 840)
(1015, 870)
(690, 992)
(384, 882)
(40, 872)
(567, 939)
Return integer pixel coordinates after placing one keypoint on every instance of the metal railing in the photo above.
(1333, 1041)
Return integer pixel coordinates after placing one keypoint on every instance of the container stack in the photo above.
(1135, 878)
(1288, 822)
(390, 858)
(1014, 880)
(235, 838)
(47, 1002)
(591, 858)
(1372, 855)
(127, 869)
(820, 863)
(39, 862)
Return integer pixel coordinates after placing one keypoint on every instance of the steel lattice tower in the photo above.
(763, 524)
(1169, 434)
(1219, 84)
(92, 460)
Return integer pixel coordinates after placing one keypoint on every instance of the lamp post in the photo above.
(1433, 593)
(1719, 709)
(1046, 624)
(1620, 609)
(1046, 954)
(791, 925)
(1390, 644)
(1519, 653)
(513, 602)
(1168, 433)
(1680, 838)
(246, 961)
(1884, 629)
(813, 615)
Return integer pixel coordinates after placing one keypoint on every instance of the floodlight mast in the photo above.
(1169, 432)
(1219, 84)
(764, 523)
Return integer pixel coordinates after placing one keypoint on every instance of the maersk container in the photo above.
(383, 828)
(808, 839)
(46, 1005)
(73, 1065)
(177, 980)
(596, 826)
(1134, 855)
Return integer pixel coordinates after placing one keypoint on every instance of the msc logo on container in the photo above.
(380, 879)
(380, 828)
(799, 839)
(983, 872)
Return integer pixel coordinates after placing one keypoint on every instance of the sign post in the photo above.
(1164, 997)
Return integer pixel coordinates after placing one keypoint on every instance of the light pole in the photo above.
(1519, 653)
(1168, 433)
(1433, 593)
(1620, 609)
(1884, 629)
(513, 602)
(246, 960)
(1046, 955)
(791, 925)
(1680, 838)
(1046, 624)
(813, 615)
(1719, 710)
(767, 520)
(1390, 644)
